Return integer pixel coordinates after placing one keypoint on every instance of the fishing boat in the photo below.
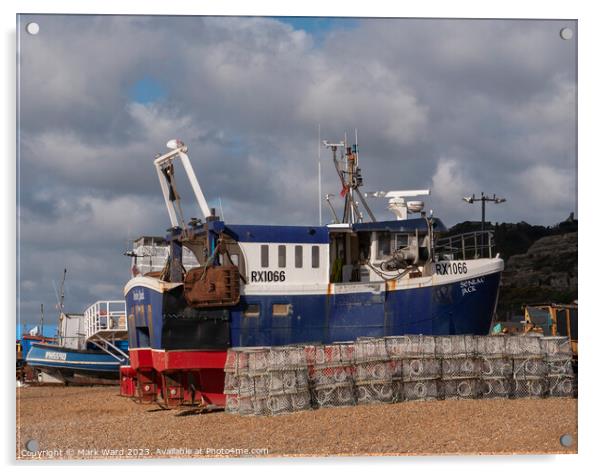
(90, 347)
(266, 285)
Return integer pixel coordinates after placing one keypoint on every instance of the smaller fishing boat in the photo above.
(90, 347)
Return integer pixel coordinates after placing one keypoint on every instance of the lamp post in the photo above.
(484, 198)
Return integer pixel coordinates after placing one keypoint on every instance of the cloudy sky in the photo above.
(460, 106)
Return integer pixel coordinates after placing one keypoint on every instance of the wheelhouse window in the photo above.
(282, 256)
(401, 241)
(384, 246)
(298, 256)
(265, 256)
(315, 256)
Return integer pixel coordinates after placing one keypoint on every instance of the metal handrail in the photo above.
(467, 246)
(105, 316)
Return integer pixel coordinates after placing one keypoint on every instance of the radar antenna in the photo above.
(397, 203)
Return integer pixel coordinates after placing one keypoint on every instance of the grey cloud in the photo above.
(461, 105)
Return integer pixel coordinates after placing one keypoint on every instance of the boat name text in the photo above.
(268, 276)
(55, 355)
(455, 268)
(470, 286)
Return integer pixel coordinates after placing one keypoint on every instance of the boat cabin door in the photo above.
(344, 257)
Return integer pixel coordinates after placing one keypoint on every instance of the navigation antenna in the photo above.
(351, 179)
(62, 294)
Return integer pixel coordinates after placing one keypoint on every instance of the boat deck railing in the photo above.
(467, 246)
(105, 318)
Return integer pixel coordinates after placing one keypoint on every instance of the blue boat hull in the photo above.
(462, 307)
(72, 364)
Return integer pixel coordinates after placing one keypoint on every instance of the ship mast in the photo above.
(351, 179)
(62, 295)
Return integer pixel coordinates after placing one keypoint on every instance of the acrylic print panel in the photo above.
(186, 246)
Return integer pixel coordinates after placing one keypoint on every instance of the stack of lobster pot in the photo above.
(252, 398)
(528, 366)
(330, 374)
(496, 368)
(558, 356)
(421, 369)
(460, 368)
(287, 384)
(245, 381)
(372, 372)
(395, 346)
(237, 362)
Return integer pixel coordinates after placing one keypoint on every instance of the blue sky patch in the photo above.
(147, 90)
(319, 26)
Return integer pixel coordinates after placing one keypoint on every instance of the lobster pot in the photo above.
(421, 369)
(417, 346)
(301, 400)
(561, 386)
(231, 384)
(281, 403)
(461, 346)
(394, 346)
(246, 385)
(495, 387)
(461, 368)
(237, 361)
(397, 386)
(459, 389)
(258, 360)
(531, 367)
(287, 358)
(369, 350)
(245, 405)
(332, 386)
(260, 406)
(333, 355)
(372, 371)
(310, 355)
(261, 385)
(368, 392)
(529, 387)
(560, 368)
(330, 376)
(288, 381)
(395, 368)
(409, 346)
(556, 348)
(523, 347)
(373, 382)
(333, 396)
(420, 390)
(231, 403)
(498, 367)
(490, 347)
